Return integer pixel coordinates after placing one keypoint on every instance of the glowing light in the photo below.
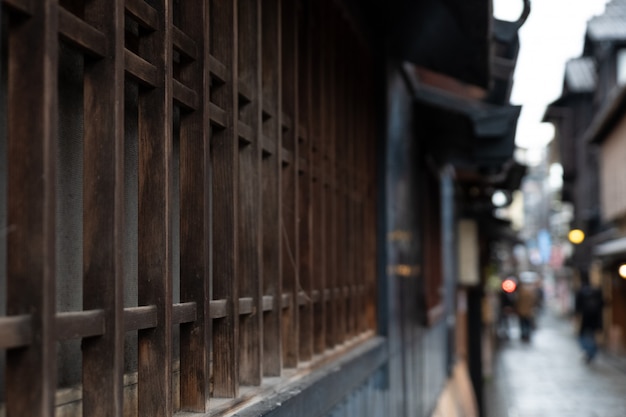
(499, 199)
(508, 285)
(576, 236)
(622, 271)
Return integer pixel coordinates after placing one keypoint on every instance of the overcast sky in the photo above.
(553, 33)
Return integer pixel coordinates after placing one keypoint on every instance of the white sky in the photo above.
(553, 33)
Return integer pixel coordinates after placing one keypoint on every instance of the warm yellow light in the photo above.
(576, 236)
(622, 271)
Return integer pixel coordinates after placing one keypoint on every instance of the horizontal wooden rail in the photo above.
(185, 96)
(79, 324)
(287, 156)
(184, 313)
(268, 144)
(218, 69)
(140, 69)
(218, 115)
(137, 318)
(15, 331)
(303, 298)
(302, 165)
(81, 34)
(245, 92)
(22, 6)
(268, 303)
(145, 14)
(246, 306)
(246, 134)
(218, 309)
(285, 300)
(269, 109)
(286, 122)
(184, 44)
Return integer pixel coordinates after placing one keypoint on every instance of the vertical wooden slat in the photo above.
(352, 187)
(340, 164)
(305, 231)
(224, 148)
(155, 223)
(289, 183)
(318, 194)
(330, 106)
(103, 218)
(195, 213)
(271, 200)
(32, 141)
(360, 176)
(250, 216)
(370, 205)
(344, 175)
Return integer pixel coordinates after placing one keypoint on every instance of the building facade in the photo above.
(246, 207)
(589, 118)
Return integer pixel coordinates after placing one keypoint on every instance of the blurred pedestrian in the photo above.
(526, 303)
(589, 306)
(507, 306)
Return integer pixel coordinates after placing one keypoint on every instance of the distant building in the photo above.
(590, 118)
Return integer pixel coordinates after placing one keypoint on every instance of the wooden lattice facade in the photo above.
(187, 200)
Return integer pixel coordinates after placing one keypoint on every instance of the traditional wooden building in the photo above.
(228, 207)
(590, 117)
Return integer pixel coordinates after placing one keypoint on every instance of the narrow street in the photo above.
(547, 377)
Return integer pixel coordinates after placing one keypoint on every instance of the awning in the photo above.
(464, 131)
(611, 248)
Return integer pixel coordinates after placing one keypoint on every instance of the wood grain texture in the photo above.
(250, 215)
(318, 195)
(289, 182)
(80, 324)
(145, 14)
(225, 171)
(137, 318)
(271, 177)
(103, 217)
(32, 136)
(277, 197)
(154, 388)
(81, 34)
(304, 202)
(15, 331)
(195, 210)
(330, 181)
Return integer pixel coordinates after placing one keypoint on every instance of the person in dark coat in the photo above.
(589, 307)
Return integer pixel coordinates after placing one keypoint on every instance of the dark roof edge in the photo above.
(606, 118)
(488, 120)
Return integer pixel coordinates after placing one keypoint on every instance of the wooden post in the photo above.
(318, 194)
(271, 199)
(304, 204)
(289, 182)
(32, 141)
(155, 222)
(103, 217)
(193, 42)
(225, 160)
(250, 208)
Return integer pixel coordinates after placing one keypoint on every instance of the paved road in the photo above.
(548, 378)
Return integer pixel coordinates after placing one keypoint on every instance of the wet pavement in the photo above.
(547, 377)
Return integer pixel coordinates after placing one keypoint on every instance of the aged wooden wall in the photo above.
(187, 201)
